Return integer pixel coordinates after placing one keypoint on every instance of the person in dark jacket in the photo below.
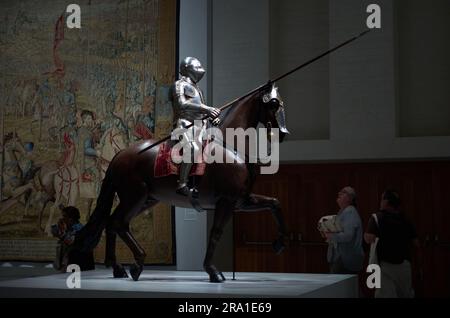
(397, 237)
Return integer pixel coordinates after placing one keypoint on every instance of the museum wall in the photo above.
(423, 68)
(346, 106)
(299, 30)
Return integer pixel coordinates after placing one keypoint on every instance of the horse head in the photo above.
(272, 114)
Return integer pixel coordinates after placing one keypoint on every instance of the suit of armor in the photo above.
(189, 108)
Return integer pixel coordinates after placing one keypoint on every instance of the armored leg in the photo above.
(185, 169)
(183, 189)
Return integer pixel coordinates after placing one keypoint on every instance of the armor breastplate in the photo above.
(191, 94)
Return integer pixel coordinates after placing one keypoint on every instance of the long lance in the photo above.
(269, 83)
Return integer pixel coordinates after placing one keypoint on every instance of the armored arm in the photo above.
(185, 98)
(193, 107)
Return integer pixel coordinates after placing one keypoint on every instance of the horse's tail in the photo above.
(89, 236)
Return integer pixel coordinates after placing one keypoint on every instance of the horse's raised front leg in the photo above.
(257, 203)
(222, 214)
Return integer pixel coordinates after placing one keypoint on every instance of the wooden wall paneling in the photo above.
(440, 283)
(315, 257)
(440, 238)
(441, 202)
(366, 184)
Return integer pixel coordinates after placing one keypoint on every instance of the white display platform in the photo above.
(185, 284)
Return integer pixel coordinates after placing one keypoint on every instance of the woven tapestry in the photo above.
(71, 97)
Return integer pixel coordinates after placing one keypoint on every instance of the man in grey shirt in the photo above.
(345, 253)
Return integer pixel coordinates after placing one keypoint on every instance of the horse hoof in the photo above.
(194, 193)
(184, 191)
(216, 277)
(119, 272)
(278, 246)
(135, 271)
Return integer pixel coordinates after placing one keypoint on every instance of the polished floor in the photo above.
(185, 284)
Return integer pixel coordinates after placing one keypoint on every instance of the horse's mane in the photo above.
(224, 115)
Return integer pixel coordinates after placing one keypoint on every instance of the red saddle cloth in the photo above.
(164, 165)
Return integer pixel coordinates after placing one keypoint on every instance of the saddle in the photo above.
(164, 166)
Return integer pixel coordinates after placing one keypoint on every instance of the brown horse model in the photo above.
(224, 188)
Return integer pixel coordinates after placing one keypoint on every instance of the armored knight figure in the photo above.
(189, 109)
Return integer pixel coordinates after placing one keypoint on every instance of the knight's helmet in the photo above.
(192, 68)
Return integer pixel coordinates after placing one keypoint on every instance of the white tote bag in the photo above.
(373, 257)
